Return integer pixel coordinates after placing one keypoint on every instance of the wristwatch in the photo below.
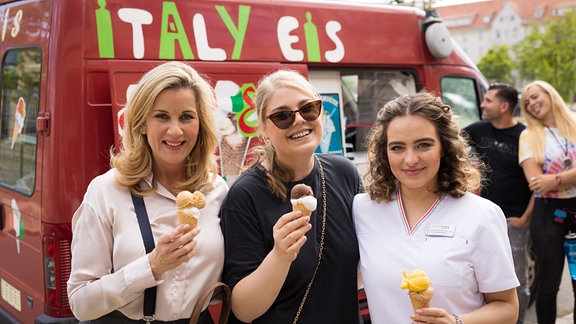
(458, 320)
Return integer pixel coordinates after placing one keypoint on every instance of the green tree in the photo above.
(496, 64)
(549, 54)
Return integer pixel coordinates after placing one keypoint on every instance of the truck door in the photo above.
(20, 242)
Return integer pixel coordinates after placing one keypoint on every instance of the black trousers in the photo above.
(548, 243)
(118, 318)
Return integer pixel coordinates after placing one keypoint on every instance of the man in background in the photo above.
(495, 140)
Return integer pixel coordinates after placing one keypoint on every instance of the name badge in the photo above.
(441, 230)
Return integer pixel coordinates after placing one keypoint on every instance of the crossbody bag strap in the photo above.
(146, 230)
(217, 290)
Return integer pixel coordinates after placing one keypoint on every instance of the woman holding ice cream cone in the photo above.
(419, 224)
(287, 266)
(168, 147)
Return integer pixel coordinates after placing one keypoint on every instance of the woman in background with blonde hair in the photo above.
(547, 155)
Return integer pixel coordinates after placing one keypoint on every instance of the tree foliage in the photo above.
(549, 54)
(496, 64)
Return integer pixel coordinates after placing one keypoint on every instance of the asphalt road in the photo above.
(565, 303)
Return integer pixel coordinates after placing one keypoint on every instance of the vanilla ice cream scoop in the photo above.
(189, 205)
(302, 199)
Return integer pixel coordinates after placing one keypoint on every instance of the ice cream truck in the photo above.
(68, 67)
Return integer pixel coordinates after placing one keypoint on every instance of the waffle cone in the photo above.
(184, 218)
(421, 299)
(300, 206)
(232, 154)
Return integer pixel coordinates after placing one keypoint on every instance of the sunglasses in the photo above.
(285, 119)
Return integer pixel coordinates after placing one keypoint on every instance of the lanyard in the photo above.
(566, 162)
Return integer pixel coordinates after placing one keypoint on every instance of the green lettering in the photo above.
(172, 31)
(104, 27)
(312, 42)
(237, 33)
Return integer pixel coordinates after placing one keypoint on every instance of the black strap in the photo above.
(149, 293)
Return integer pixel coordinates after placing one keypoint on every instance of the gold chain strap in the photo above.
(321, 241)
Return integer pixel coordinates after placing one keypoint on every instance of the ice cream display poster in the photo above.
(332, 133)
(19, 118)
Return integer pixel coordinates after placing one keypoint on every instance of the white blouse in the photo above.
(462, 245)
(110, 268)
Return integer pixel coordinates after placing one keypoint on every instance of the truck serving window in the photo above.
(364, 92)
(18, 112)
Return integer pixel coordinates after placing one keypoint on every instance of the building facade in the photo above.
(478, 26)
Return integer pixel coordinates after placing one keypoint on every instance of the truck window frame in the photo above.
(20, 78)
(461, 93)
(368, 89)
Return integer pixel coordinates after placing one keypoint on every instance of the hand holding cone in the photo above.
(419, 290)
(189, 205)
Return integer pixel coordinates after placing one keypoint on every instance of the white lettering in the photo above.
(205, 52)
(337, 54)
(136, 18)
(17, 20)
(225, 89)
(6, 14)
(285, 40)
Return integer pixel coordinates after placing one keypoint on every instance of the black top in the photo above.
(506, 184)
(247, 217)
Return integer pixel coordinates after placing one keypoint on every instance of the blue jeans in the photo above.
(519, 239)
(548, 244)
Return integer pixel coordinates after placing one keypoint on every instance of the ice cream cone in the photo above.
(300, 206)
(232, 153)
(187, 218)
(189, 205)
(302, 199)
(419, 290)
(15, 135)
(421, 299)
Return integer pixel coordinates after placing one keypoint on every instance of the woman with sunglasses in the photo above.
(284, 267)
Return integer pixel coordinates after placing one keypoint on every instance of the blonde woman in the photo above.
(168, 147)
(547, 155)
(284, 267)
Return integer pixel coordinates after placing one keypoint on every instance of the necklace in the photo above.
(566, 162)
(321, 240)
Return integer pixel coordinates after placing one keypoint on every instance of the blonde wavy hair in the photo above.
(564, 118)
(456, 174)
(134, 159)
(277, 175)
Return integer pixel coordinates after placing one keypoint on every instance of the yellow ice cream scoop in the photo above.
(419, 290)
(417, 280)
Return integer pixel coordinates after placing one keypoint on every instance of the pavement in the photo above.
(565, 303)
